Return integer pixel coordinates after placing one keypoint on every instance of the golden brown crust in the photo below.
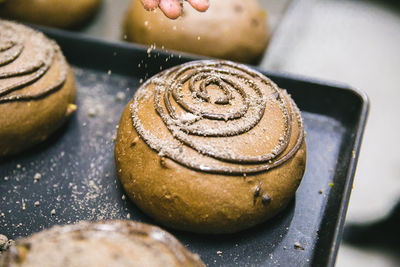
(36, 103)
(180, 194)
(109, 243)
(234, 29)
(60, 13)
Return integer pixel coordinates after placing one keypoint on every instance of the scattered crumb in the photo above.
(18, 166)
(320, 191)
(53, 212)
(6, 178)
(71, 108)
(331, 184)
(37, 177)
(123, 197)
(219, 252)
(298, 246)
(128, 216)
(37, 203)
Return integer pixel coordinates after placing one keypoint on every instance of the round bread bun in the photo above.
(210, 147)
(229, 29)
(108, 243)
(59, 13)
(37, 88)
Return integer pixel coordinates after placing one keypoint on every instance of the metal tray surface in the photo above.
(78, 178)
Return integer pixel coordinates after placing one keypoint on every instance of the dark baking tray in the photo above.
(78, 178)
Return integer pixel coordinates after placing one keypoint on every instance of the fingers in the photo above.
(199, 5)
(171, 8)
(150, 4)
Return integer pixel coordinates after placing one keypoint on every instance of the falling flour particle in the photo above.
(120, 96)
(92, 112)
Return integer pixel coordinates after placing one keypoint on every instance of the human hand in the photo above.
(172, 8)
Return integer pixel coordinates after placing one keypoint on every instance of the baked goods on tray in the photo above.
(110, 243)
(210, 146)
(37, 88)
(59, 13)
(229, 29)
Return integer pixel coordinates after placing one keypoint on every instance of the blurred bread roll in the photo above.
(59, 13)
(37, 88)
(229, 29)
(109, 243)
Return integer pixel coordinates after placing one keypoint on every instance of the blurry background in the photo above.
(356, 42)
(350, 41)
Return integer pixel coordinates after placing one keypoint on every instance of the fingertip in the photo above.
(200, 5)
(150, 4)
(171, 8)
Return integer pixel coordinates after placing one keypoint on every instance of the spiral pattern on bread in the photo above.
(221, 118)
(26, 56)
